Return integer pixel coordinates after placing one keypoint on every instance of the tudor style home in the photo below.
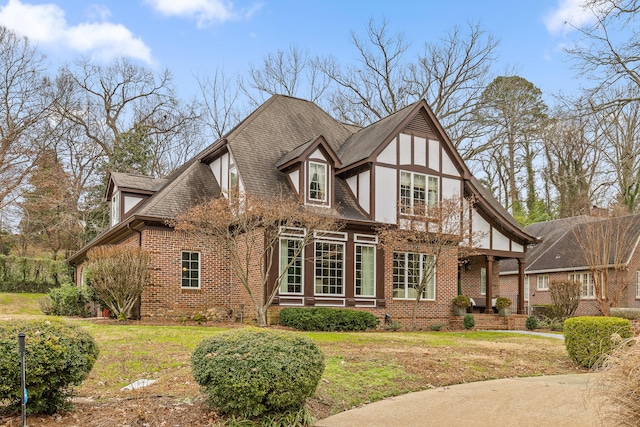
(558, 256)
(371, 176)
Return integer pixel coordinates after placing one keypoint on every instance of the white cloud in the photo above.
(205, 12)
(568, 14)
(46, 24)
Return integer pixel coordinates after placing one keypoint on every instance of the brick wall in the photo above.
(165, 297)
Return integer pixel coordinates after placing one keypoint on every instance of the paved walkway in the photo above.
(558, 401)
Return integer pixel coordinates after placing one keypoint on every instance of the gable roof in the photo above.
(298, 153)
(130, 181)
(559, 248)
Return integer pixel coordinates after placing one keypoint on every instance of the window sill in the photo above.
(413, 299)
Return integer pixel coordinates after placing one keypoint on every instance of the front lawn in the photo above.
(360, 368)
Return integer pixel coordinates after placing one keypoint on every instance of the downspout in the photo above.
(140, 246)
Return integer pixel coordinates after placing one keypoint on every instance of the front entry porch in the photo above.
(487, 322)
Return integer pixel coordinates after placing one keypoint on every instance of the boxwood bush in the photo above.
(327, 319)
(58, 357)
(588, 338)
(251, 372)
(68, 300)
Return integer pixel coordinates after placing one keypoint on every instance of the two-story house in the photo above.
(372, 176)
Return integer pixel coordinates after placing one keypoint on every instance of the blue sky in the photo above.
(196, 36)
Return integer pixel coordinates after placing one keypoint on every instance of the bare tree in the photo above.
(106, 102)
(290, 72)
(24, 107)
(220, 95)
(619, 141)
(247, 229)
(451, 76)
(430, 234)
(605, 245)
(603, 54)
(377, 85)
(574, 160)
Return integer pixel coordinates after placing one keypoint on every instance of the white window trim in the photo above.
(355, 250)
(540, 288)
(579, 277)
(527, 288)
(199, 269)
(301, 255)
(483, 270)
(637, 284)
(406, 288)
(426, 190)
(326, 183)
(344, 262)
(115, 208)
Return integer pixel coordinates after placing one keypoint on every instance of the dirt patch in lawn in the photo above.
(363, 368)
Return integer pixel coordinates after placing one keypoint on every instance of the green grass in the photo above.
(20, 304)
(360, 366)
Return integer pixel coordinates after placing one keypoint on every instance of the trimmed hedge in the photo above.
(251, 372)
(327, 319)
(588, 338)
(58, 357)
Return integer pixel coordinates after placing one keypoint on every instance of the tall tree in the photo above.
(220, 96)
(49, 214)
(24, 107)
(514, 115)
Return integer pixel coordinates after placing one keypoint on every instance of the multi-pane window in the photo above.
(329, 268)
(526, 288)
(417, 191)
(233, 182)
(291, 264)
(588, 287)
(190, 269)
(409, 272)
(543, 282)
(365, 270)
(483, 281)
(317, 182)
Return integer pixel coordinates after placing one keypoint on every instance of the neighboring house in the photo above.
(559, 256)
(292, 146)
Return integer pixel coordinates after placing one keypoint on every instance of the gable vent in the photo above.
(419, 124)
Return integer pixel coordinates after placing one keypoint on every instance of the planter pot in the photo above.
(459, 311)
(105, 312)
(505, 312)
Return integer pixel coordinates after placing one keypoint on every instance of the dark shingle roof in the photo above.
(194, 185)
(137, 182)
(362, 144)
(560, 248)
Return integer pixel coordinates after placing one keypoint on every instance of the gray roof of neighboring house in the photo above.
(560, 249)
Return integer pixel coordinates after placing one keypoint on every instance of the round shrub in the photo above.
(588, 338)
(468, 322)
(251, 372)
(327, 319)
(531, 323)
(58, 356)
(68, 300)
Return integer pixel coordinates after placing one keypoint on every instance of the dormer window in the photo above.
(417, 191)
(115, 209)
(317, 182)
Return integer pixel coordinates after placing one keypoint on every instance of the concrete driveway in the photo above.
(558, 401)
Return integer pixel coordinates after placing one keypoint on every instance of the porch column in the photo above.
(520, 285)
(489, 295)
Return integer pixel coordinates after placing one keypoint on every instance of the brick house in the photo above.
(366, 174)
(558, 256)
